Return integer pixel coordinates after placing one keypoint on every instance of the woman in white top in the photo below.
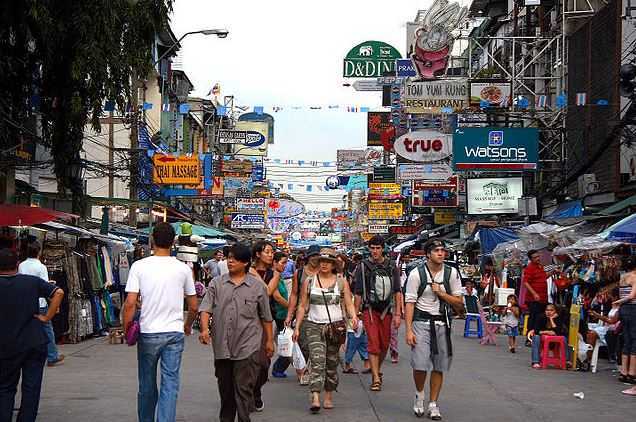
(324, 296)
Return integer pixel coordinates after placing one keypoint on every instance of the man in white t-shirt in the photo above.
(162, 282)
(428, 315)
(33, 266)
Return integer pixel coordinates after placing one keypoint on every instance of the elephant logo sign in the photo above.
(365, 51)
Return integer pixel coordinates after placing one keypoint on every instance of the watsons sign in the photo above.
(421, 97)
(370, 59)
(501, 149)
(423, 146)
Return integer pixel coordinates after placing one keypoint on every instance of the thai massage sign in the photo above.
(176, 170)
(424, 146)
(370, 59)
(432, 96)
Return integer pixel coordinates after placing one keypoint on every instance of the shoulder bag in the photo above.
(335, 332)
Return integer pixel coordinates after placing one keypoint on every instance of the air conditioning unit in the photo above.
(588, 185)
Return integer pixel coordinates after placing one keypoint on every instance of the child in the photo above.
(356, 344)
(511, 321)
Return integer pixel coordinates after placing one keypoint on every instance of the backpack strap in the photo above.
(423, 280)
(443, 306)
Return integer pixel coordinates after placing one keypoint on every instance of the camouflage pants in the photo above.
(323, 359)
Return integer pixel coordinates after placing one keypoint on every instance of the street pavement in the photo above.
(98, 382)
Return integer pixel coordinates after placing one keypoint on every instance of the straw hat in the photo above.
(328, 254)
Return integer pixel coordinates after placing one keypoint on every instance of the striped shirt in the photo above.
(624, 291)
(318, 298)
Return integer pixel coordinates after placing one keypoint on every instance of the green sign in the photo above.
(370, 59)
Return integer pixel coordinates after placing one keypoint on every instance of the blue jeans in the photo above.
(356, 344)
(51, 348)
(152, 348)
(536, 349)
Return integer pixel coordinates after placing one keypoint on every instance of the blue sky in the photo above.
(289, 53)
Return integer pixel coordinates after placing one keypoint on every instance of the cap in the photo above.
(313, 250)
(433, 244)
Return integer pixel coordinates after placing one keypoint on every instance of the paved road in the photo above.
(98, 383)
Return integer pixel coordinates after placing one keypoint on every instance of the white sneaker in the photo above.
(418, 407)
(433, 412)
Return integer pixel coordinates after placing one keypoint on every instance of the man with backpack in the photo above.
(378, 299)
(432, 290)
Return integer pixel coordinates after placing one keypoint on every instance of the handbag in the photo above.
(133, 330)
(335, 332)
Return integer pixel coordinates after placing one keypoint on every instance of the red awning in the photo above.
(23, 215)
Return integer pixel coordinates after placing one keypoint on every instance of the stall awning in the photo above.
(489, 238)
(566, 210)
(24, 215)
(621, 206)
(623, 231)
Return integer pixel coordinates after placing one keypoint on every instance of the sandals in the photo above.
(314, 409)
(349, 371)
(627, 379)
(630, 392)
(376, 386)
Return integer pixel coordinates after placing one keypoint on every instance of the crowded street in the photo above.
(284, 211)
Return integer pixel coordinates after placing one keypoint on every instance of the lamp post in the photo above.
(221, 33)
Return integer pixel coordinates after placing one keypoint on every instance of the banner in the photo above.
(442, 194)
(377, 123)
(491, 148)
(384, 191)
(433, 96)
(176, 170)
(437, 172)
(379, 210)
(493, 94)
(494, 195)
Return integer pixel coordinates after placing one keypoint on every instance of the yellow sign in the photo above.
(176, 170)
(384, 191)
(366, 236)
(573, 333)
(379, 210)
(444, 217)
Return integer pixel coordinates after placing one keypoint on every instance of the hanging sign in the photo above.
(384, 191)
(379, 210)
(248, 221)
(241, 137)
(441, 194)
(424, 146)
(443, 217)
(378, 228)
(440, 172)
(403, 230)
(176, 170)
(494, 94)
(432, 96)
(250, 204)
(494, 195)
(370, 59)
(377, 123)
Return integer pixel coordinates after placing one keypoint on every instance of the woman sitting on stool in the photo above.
(549, 324)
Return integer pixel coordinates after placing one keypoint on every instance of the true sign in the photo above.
(432, 96)
(423, 146)
(176, 170)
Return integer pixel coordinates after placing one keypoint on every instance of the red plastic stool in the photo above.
(558, 357)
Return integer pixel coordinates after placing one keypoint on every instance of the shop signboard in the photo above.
(236, 166)
(349, 159)
(500, 149)
(494, 195)
(378, 228)
(370, 59)
(435, 194)
(248, 221)
(233, 186)
(241, 137)
(437, 172)
(384, 174)
(424, 146)
(444, 216)
(284, 208)
(494, 93)
(377, 123)
(403, 230)
(432, 96)
(261, 128)
(176, 170)
(384, 191)
(250, 204)
(380, 210)
(405, 68)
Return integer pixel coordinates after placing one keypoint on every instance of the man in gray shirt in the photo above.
(239, 307)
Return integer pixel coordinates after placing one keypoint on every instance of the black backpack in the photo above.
(380, 292)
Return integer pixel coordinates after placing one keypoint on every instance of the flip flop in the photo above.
(349, 371)
(314, 409)
(629, 392)
(376, 386)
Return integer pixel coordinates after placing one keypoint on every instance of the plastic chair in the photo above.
(558, 356)
(594, 361)
(468, 332)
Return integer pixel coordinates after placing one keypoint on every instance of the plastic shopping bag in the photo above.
(285, 343)
(298, 360)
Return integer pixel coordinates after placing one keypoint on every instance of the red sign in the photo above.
(403, 229)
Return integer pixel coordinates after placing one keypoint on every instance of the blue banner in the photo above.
(497, 149)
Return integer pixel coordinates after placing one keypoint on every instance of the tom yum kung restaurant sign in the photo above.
(370, 59)
(422, 97)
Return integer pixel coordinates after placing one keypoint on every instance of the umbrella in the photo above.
(24, 215)
(623, 231)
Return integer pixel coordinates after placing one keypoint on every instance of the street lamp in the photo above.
(221, 33)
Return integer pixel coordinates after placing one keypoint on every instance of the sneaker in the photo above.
(433, 412)
(59, 361)
(418, 407)
(259, 405)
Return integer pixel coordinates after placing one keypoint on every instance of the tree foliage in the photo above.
(72, 55)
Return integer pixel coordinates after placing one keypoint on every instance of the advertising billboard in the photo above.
(494, 195)
(492, 148)
(495, 93)
(377, 123)
(424, 146)
(435, 194)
